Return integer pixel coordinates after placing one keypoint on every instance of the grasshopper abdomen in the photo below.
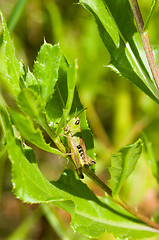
(81, 152)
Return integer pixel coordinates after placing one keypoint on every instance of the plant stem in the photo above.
(97, 180)
(55, 139)
(137, 214)
(145, 40)
(123, 204)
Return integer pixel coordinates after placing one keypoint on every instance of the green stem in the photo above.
(97, 180)
(55, 139)
(145, 40)
(137, 214)
(124, 205)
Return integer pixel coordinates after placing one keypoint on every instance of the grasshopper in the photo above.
(77, 146)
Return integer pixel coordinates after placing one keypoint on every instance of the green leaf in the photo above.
(14, 68)
(54, 111)
(28, 181)
(93, 216)
(126, 59)
(153, 5)
(104, 14)
(30, 79)
(46, 69)
(71, 82)
(123, 164)
(90, 216)
(30, 103)
(25, 126)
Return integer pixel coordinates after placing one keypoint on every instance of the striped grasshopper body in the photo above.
(77, 146)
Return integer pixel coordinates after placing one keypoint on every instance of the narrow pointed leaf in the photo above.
(123, 164)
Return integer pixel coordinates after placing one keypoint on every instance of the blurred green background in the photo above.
(117, 112)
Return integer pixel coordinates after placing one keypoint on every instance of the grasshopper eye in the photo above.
(66, 128)
(77, 122)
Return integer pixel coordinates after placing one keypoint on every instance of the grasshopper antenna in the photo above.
(81, 111)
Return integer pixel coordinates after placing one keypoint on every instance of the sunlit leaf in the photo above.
(25, 126)
(14, 67)
(46, 69)
(30, 79)
(54, 111)
(30, 103)
(123, 164)
(104, 14)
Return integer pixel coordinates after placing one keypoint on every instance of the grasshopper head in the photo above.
(73, 126)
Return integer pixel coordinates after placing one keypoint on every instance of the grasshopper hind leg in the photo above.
(79, 173)
(90, 160)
